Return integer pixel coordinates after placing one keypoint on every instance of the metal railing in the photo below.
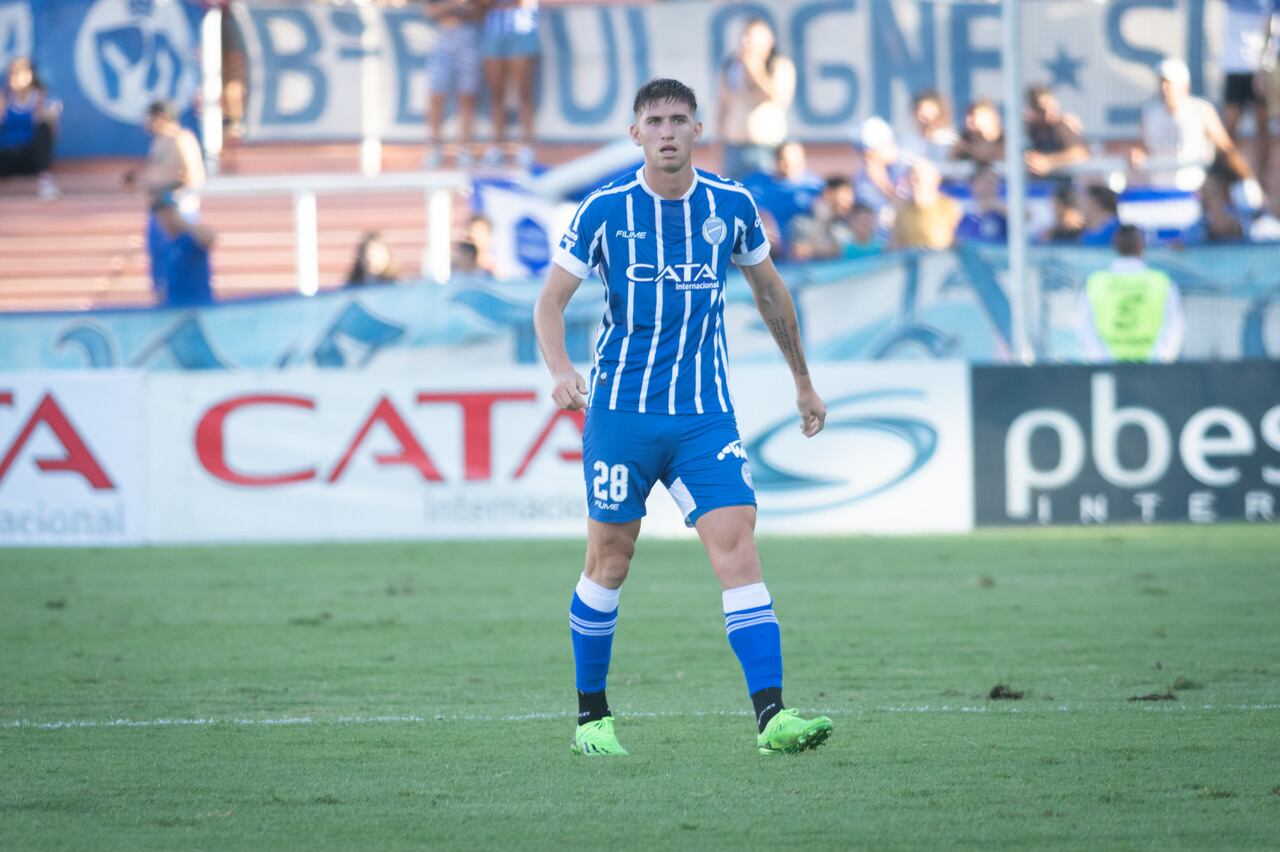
(437, 187)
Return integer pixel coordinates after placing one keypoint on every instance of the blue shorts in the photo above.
(511, 45)
(698, 457)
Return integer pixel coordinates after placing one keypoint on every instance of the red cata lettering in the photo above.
(211, 441)
(578, 418)
(477, 425)
(78, 459)
(412, 453)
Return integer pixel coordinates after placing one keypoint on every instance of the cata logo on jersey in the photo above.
(686, 276)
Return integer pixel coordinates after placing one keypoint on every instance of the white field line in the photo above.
(67, 724)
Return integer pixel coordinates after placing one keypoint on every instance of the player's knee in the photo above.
(608, 564)
(737, 563)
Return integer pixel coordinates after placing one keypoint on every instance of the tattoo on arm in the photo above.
(787, 335)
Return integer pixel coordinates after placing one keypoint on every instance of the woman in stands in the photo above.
(28, 125)
(373, 262)
(756, 89)
(510, 62)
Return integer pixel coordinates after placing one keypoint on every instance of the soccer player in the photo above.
(658, 402)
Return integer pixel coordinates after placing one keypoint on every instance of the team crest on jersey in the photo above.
(714, 230)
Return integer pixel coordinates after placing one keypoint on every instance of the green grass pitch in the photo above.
(420, 695)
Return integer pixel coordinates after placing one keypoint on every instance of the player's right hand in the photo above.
(570, 391)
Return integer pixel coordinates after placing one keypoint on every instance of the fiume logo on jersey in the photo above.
(714, 230)
(686, 276)
(130, 53)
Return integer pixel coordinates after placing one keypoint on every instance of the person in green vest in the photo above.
(1130, 312)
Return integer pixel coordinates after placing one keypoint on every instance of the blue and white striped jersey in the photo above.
(661, 348)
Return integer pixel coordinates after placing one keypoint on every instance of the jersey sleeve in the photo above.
(579, 250)
(751, 244)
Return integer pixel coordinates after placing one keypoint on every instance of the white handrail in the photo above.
(438, 187)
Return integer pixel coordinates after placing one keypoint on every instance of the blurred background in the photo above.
(301, 241)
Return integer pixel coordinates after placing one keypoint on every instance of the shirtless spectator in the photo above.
(933, 137)
(982, 139)
(174, 166)
(1054, 138)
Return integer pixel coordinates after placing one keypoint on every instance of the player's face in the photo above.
(667, 131)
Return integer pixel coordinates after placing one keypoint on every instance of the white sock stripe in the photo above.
(746, 624)
(733, 618)
(584, 625)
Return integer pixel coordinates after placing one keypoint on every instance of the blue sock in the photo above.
(755, 638)
(593, 614)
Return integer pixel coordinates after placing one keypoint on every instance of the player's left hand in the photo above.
(813, 412)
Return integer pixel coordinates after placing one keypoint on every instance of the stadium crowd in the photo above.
(935, 186)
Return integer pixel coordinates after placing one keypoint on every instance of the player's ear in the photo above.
(635, 135)
(697, 131)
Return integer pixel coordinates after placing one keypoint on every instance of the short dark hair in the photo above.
(1105, 198)
(862, 207)
(1128, 241)
(927, 95)
(162, 109)
(836, 182)
(664, 89)
(1035, 93)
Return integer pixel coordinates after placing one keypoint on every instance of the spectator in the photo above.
(510, 63)
(1266, 228)
(480, 236)
(1054, 139)
(1218, 221)
(933, 137)
(453, 69)
(790, 189)
(1130, 312)
(1068, 221)
(1100, 210)
(175, 165)
(464, 262)
(1181, 134)
(825, 232)
(28, 126)
(1245, 32)
(373, 262)
(929, 218)
(866, 240)
(982, 139)
(988, 222)
(187, 278)
(756, 88)
(235, 75)
(883, 173)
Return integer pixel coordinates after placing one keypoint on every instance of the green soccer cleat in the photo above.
(787, 733)
(597, 738)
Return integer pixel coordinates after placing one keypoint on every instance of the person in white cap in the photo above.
(1181, 133)
(882, 176)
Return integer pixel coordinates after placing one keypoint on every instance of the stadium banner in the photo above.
(853, 60)
(72, 458)
(107, 61)
(1126, 443)
(396, 454)
(903, 305)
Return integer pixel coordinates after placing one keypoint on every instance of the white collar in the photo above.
(1127, 264)
(645, 186)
